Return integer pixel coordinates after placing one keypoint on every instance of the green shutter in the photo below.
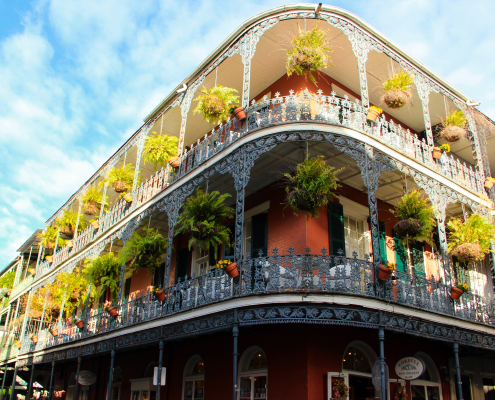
(336, 232)
(182, 267)
(259, 235)
(383, 241)
(418, 258)
(400, 255)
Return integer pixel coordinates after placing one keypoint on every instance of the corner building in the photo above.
(308, 308)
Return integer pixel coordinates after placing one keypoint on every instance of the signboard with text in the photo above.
(409, 368)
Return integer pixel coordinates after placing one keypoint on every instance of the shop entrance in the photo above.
(361, 388)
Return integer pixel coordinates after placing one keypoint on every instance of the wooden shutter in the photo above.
(336, 232)
(418, 258)
(259, 235)
(400, 255)
(383, 241)
(183, 264)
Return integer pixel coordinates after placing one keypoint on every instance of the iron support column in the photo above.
(30, 387)
(3, 381)
(458, 370)
(110, 378)
(12, 388)
(50, 388)
(381, 338)
(235, 334)
(159, 377)
(77, 377)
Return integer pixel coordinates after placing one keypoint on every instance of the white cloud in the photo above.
(463, 76)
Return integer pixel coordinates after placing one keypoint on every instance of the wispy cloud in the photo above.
(78, 77)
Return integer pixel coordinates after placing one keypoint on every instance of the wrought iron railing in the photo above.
(279, 110)
(290, 273)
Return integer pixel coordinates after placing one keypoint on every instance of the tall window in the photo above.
(253, 375)
(194, 379)
(356, 236)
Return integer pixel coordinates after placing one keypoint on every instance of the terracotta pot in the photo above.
(80, 323)
(113, 311)
(372, 115)
(160, 295)
(174, 162)
(49, 259)
(34, 338)
(69, 244)
(9, 292)
(239, 113)
(437, 152)
(95, 224)
(18, 345)
(54, 332)
(32, 271)
(384, 273)
(232, 270)
(489, 183)
(455, 293)
(128, 197)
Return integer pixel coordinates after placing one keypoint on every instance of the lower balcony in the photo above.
(313, 275)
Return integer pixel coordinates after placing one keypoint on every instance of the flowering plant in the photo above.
(233, 107)
(390, 266)
(74, 320)
(107, 305)
(155, 289)
(463, 287)
(445, 147)
(340, 390)
(377, 109)
(223, 264)
(400, 393)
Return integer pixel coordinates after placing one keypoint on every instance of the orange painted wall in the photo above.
(141, 280)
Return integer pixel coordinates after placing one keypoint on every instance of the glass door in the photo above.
(253, 387)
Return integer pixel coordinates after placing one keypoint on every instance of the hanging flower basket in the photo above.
(373, 113)
(396, 98)
(159, 294)
(408, 227)
(174, 162)
(54, 332)
(119, 186)
(384, 272)
(452, 134)
(90, 209)
(238, 112)
(68, 230)
(467, 251)
(489, 182)
(112, 310)
(397, 90)
(34, 338)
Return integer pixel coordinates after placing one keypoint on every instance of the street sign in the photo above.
(155, 376)
(376, 376)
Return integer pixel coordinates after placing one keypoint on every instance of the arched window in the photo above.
(194, 378)
(427, 386)
(253, 374)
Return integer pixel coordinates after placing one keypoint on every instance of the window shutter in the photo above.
(418, 258)
(228, 254)
(259, 234)
(400, 255)
(158, 275)
(127, 288)
(336, 232)
(183, 261)
(383, 241)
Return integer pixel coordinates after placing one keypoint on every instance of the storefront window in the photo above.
(194, 379)
(427, 386)
(253, 375)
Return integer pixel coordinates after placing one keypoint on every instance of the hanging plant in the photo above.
(397, 89)
(454, 127)
(311, 186)
(49, 237)
(159, 149)
(67, 223)
(92, 200)
(470, 240)
(121, 179)
(144, 251)
(400, 393)
(104, 273)
(309, 54)
(214, 105)
(7, 281)
(204, 217)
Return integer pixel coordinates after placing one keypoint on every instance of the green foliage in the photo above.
(124, 174)
(67, 223)
(144, 251)
(214, 105)
(309, 54)
(311, 186)
(399, 81)
(455, 118)
(204, 217)
(49, 237)
(414, 206)
(94, 196)
(475, 229)
(75, 284)
(158, 149)
(104, 272)
(7, 280)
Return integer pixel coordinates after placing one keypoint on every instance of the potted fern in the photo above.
(454, 126)
(204, 217)
(104, 273)
(438, 151)
(67, 223)
(215, 103)
(144, 251)
(309, 54)
(310, 186)
(92, 200)
(470, 240)
(121, 179)
(416, 220)
(160, 150)
(397, 90)
(49, 237)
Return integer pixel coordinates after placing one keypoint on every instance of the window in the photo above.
(194, 379)
(356, 237)
(253, 375)
(143, 389)
(255, 235)
(201, 261)
(427, 386)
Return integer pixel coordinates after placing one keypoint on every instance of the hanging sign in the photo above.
(376, 376)
(409, 368)
(86, 378)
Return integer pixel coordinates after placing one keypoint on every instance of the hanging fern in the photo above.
(121, 178)
(214, 105)
(49, 237)
(397, 89)
(204, 216)
(144, 251)
(309, 54)
(158, 149)
(67, 223)
(92, 200)
(104, 272)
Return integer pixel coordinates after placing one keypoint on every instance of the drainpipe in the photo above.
(458, 370)
(77, 377)
(235, 334)
(12, 388)
(110, 378)
(381, 338)
(160, 362)
(30, 387)
(51, 381)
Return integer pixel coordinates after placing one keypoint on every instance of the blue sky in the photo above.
(77, 78)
